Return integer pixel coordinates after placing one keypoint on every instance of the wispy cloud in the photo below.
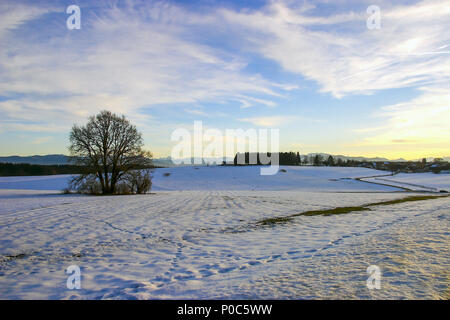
(421, 123)
(41, 140)
(121, 59)
(274, 122)
(360, 61)
(13, 15)
(132, 56)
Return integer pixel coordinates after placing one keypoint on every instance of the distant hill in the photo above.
(47, 159)
(163, 162)
(342, 157)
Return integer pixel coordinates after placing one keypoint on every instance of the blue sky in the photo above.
(312, 69)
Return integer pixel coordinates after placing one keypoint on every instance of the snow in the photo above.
(228, 178)
(55, 182)
(422, 180)
(249, 178)
(197, 237)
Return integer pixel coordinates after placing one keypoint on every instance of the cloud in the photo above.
(197, 112)
(123, 60)
(146, 54)
(13, 15)
(403, 141)
(404, 52)
(41, 140)
(275, 121)
(252, 101)
(422, 121)
(153, 54)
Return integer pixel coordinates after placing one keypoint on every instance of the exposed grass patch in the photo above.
(16, 256)
(77, 255)
(342, 210)
(273, 221)
(327, 212)
(407, 199)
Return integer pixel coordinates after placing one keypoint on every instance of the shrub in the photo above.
(66, 191)
(132, 182)
(139, 181)
(86, 184)
(123, 188)
(436, 170)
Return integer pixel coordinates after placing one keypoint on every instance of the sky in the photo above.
(316, 70)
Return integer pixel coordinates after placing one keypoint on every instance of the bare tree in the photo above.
(111, 147)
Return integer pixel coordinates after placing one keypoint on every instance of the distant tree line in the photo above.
(253, 158)
(295, 159)
(25, 169)
(291, 159)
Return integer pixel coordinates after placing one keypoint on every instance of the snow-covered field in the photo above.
(417, 181)
(197, 236)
